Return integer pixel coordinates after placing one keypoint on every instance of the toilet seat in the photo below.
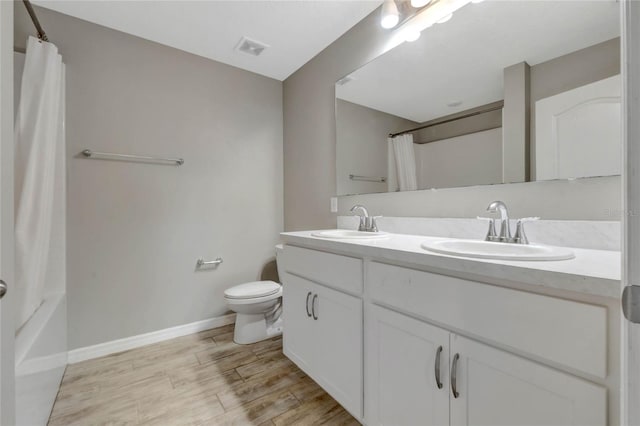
(253, 292)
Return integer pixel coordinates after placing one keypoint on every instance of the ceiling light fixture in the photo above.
(390, 15)
(420, 3)
(437, 12)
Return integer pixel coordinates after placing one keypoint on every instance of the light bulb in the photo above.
(445, 19)
(390, 16)
(420, 3)
(412, 35)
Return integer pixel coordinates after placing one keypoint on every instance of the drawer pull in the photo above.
(313, 307)
(307, 305)
(454, 376)
(437, 367)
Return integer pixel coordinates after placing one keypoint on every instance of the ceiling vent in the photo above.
(251, 47)
(345, 80)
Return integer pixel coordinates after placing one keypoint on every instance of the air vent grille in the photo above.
(251, 47)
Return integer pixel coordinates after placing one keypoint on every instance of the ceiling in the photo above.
(463, 59)
(296, 30)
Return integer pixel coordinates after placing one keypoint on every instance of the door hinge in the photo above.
(631, 303)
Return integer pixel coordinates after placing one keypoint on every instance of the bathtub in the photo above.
(41, 358)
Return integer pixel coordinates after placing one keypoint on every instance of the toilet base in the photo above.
(253, 328)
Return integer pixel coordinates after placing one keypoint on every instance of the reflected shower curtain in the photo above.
(402, 164)
(39, 129)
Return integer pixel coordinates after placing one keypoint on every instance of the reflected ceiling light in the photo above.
(437, 12)
(420, 3)
(412, 35)
(390, 15)
(445, 19)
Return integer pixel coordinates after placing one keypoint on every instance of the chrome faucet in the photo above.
(505, 229)
(367, 223)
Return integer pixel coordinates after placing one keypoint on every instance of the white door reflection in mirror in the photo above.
(578, 132)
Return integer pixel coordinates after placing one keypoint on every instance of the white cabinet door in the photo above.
(323, 336)
(338, 346)
(299, 336)
(401, 381)
(497, 388)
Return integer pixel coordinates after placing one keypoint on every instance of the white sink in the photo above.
(498, 251)
(345, 234)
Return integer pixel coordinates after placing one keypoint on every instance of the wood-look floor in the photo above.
(200, 379)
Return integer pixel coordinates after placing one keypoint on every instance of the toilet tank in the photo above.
(279, 250)
(270, 271)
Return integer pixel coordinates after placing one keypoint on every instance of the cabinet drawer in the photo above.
(340, 272)
(569, 333)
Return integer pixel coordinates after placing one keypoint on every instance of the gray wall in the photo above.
(463, 126)
(361, 148)
(310, 161)
(136, 230)
(472, 159)
(582, 199)
(310, 124)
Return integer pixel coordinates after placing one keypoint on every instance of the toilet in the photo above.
(258, 308)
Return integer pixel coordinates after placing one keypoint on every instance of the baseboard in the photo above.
(115, 346)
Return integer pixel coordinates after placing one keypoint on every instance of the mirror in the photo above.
(505, 91)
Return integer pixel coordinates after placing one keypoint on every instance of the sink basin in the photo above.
(498, 251)
(346, 234)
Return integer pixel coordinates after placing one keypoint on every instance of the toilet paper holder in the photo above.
(201, 263)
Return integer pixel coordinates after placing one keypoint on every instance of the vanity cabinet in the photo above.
(443, 350)
(324, 338)
(421, 374)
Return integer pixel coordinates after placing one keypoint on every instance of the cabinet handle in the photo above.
(313, 307)
(437, 367)
(307, 305)
(454, 376)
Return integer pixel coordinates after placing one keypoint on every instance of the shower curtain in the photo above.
(402, 164)
(39, 130)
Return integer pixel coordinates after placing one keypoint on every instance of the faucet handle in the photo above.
(529, 219)
(372, 226)
(521, 237)
(491, 232)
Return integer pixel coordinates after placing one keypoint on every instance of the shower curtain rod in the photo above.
(32, 13)
(477, 111)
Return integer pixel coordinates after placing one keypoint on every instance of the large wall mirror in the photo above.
(505, 91)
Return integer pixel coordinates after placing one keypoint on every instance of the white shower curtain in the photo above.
(402, 164)
(39, 130)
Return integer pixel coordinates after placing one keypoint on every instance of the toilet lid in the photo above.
(251, 290)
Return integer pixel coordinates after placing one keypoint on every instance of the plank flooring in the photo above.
(200, 379)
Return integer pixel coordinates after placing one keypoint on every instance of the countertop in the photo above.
(594, 272)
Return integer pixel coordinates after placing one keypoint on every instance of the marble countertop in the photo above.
(594, 272)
